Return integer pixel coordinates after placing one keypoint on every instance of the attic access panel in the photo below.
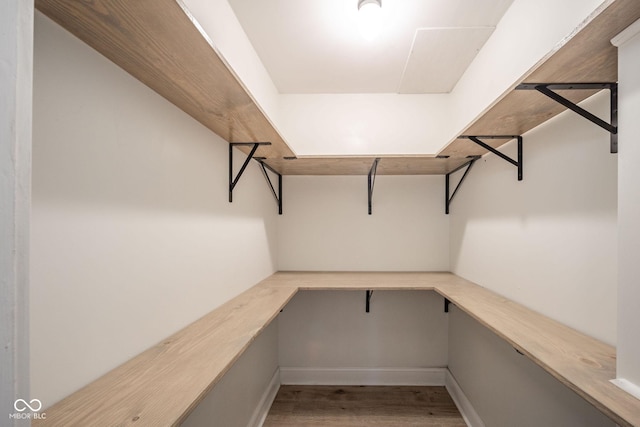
(440, 56)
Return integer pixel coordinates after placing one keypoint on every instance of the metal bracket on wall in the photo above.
(446, 305)
(234, 181)
(516, 163)
(548, 90)
(448, 198)
(368, 300)
(278, 195)
(371, 181)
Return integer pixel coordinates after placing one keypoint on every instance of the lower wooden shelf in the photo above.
(162, 385)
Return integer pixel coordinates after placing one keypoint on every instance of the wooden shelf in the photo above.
(586, 56)
(580, 362)
(162, 385)
(161, 44)
(356, 165)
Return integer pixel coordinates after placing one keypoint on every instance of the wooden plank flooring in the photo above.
(351, 406)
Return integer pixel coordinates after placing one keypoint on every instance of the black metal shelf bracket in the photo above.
(548, 89)
(446, 305)
(449, 198)
(278, 195)
(234, 181)
(516, 163)
(371, 180)
(368, 300)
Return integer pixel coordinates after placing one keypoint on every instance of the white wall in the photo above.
(331, 329)
(133, 235)
(16, 71)
(236, 398)
(325, 225)
(550, 241)
(507, 389)
(375, 124)
(629, 209)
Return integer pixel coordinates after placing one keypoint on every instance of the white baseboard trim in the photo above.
(469, 414)
(363, 376)
(262, 410)
(627, 386)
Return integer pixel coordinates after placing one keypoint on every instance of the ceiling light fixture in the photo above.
(369, 18)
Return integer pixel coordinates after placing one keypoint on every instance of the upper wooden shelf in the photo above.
(361, 165)
(587, 56)
(162, 385)
(161, 44)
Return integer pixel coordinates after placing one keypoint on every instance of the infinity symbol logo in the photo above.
(21, 405)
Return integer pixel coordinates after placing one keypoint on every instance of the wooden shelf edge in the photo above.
(361, 165)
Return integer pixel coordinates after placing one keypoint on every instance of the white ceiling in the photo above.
(314, 46)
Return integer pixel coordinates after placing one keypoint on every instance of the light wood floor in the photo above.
(352, 406)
